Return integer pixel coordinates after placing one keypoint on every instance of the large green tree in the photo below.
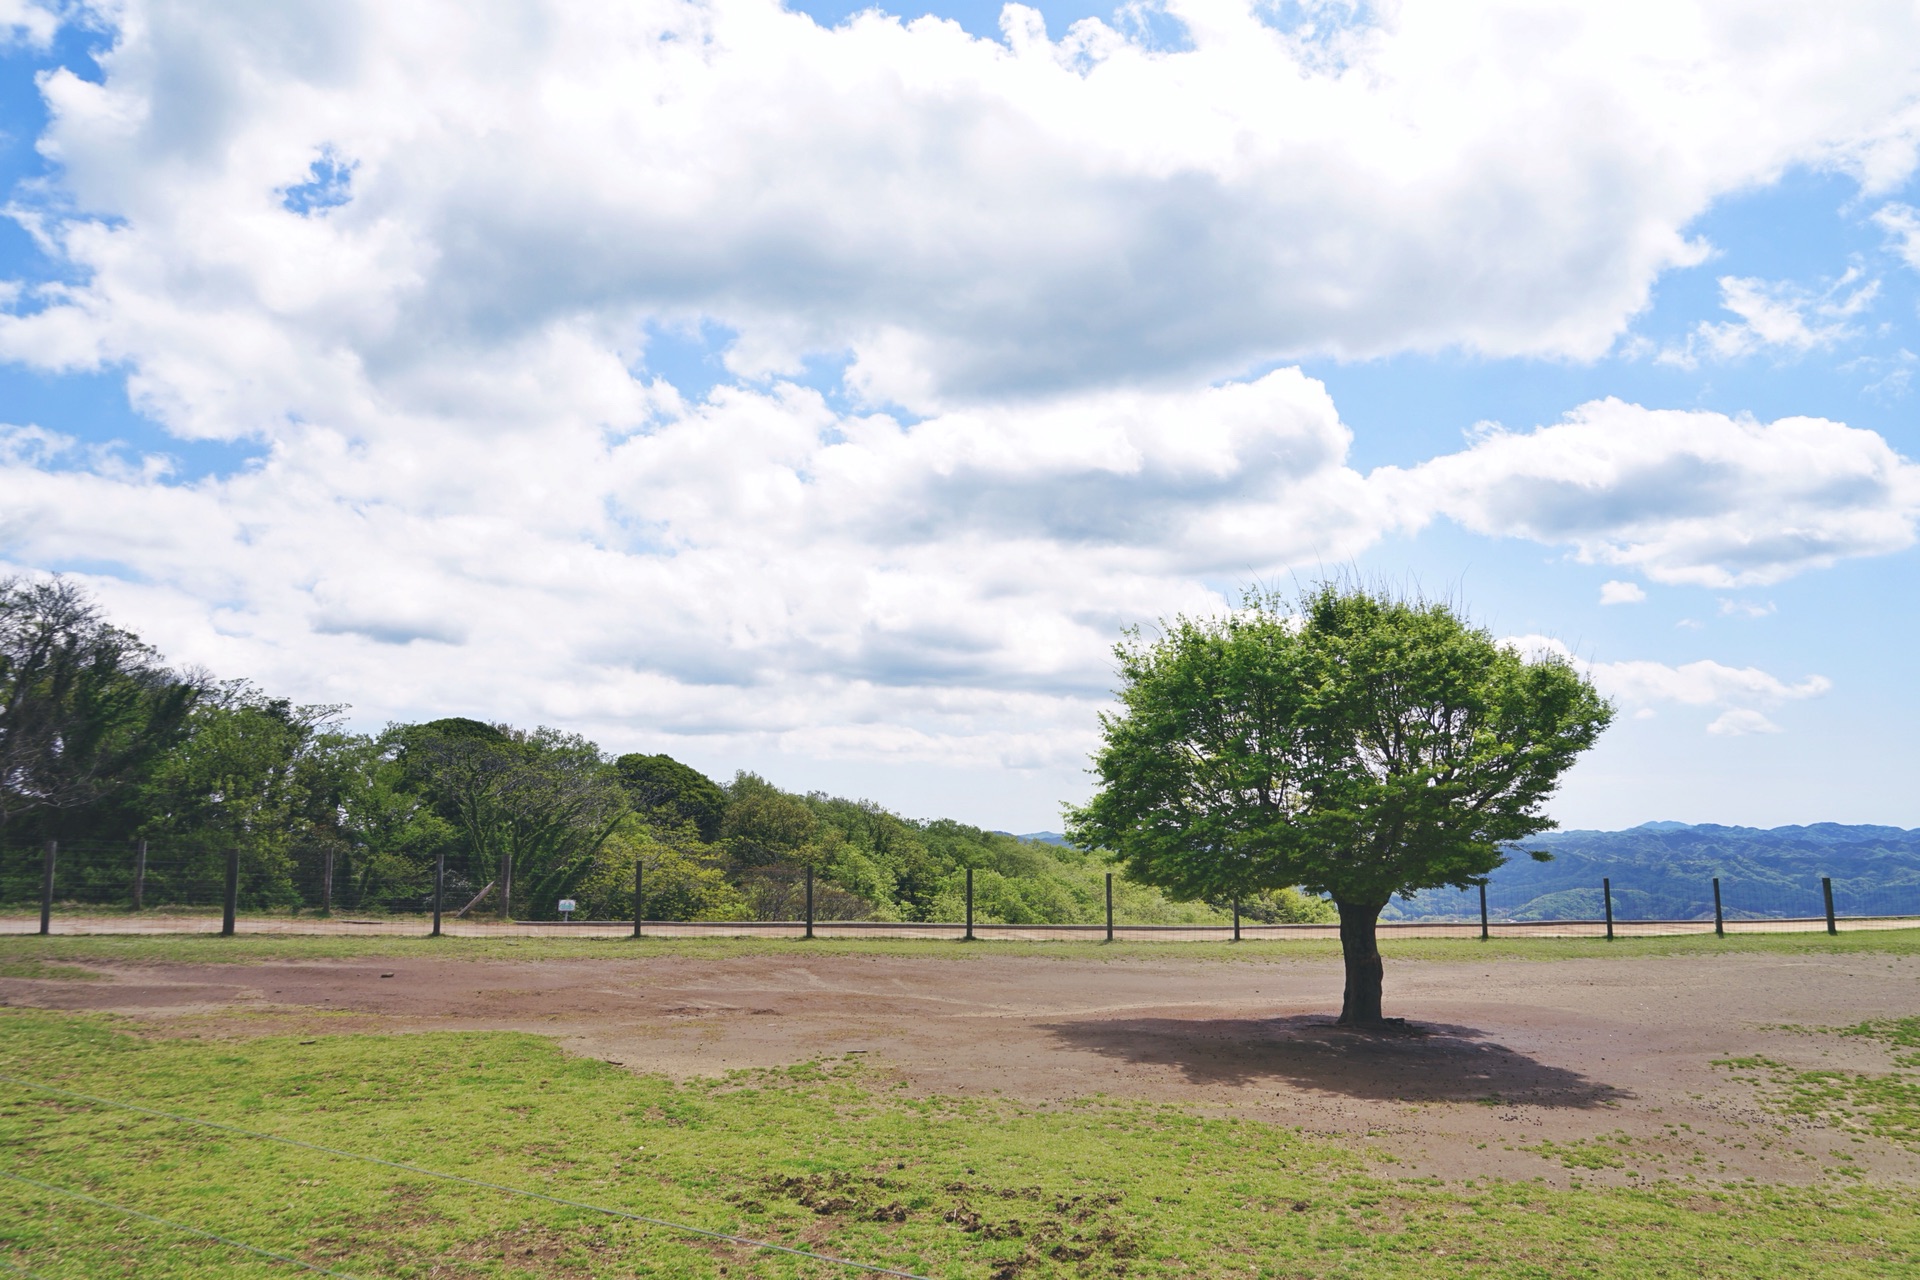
(1359, 745)
(85, 708)
(539, 804)
(244, 777)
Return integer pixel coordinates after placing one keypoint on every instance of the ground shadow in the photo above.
(1411, 1062)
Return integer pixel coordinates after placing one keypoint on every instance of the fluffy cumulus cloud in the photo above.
(755, 565)
(422, 257)
(1617, 592)
(350, 195)
(1682, 496)
(1741, 695)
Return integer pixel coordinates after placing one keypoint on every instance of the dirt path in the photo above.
(1499, 1056)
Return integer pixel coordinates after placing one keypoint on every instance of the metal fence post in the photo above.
(1483, 913)
(506, 887)
(1826, 890)
(233, 891)
(1109, 906)
(326, 881)
(969, 937)
(140, 877)
(809, 902)
(1719, 916)
(439, 889)
(640, 893)
(1606, 893)
(1236, 919)
(46, 887)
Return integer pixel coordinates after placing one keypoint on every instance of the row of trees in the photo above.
(102, 744)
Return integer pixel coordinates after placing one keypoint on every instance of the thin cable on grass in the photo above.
(471, 1182)
(15, 1269)
(178, 1226)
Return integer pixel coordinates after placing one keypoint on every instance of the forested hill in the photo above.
(1665, 870)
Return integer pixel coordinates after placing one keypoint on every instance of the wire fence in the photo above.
(140, 887)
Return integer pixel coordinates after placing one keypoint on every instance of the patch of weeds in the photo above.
(41, 969)
(867, 1197)
(1901, 1033)
(1882, 1105)
(1584, 1153)
(1081, 1228)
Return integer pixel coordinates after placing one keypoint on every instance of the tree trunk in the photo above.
(1361, 950)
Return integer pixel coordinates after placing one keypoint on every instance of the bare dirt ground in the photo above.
(1498, 1057)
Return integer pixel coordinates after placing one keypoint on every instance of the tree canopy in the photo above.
(1357, 744)
(84, 706)
(675, 792)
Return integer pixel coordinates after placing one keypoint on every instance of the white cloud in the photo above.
(1641, 686)
(1892, 375)
(1776, 316)
(1901, 222)
(1682, 496)
(1745, 608)
(1622, 593)
(757, 567)
(1742, 721)
(962, 217)
(1700, 684)
(27, 22)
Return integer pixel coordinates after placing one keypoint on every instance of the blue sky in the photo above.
(825, 406)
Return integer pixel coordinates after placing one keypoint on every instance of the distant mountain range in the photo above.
(1665, 871)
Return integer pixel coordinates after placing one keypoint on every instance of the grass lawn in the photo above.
(827, 1156)
(244, 948)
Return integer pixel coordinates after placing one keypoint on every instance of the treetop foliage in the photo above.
(661, 785)
(84, 706)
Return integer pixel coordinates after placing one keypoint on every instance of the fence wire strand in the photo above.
(177, 1226)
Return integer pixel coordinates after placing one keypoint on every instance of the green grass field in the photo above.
(830, 1156)
(820, 1156)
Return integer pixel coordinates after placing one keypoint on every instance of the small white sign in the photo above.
(566, 908)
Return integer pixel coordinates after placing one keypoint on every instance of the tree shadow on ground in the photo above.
(1409, 1062)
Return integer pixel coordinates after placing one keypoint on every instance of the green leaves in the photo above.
(673, 793)
(84, 706)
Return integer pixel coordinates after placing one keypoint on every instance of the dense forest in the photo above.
(102, 746)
